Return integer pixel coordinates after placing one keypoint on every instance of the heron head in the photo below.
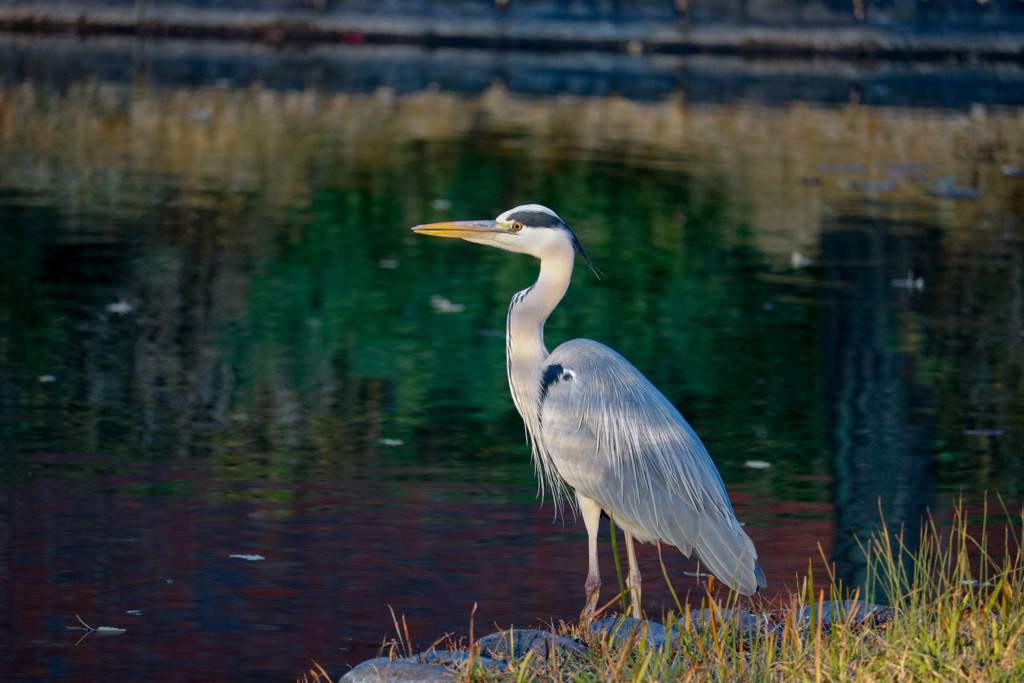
(528, 229)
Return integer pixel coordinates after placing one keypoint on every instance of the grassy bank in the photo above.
(955, 611)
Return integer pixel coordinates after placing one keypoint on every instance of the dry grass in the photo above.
(956, 612)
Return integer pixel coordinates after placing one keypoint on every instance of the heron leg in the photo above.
(591, 512)
(633, 582)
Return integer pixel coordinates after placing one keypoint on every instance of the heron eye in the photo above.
(517, 226)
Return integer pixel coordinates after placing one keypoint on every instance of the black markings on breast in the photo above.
(552, 374)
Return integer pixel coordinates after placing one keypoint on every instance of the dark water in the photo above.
(218, 337)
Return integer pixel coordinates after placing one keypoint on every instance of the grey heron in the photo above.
(597, 425)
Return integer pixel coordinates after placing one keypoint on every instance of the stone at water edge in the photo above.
(515, 643)
(855, 610)
(383, 670)
(654, 634)
(429, 667)
(455, 659)
(622, 628)
(751, 624)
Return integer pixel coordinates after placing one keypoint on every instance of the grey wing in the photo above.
(617, 440)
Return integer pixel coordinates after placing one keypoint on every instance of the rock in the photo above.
(382, 670)
(622, 628)
(751, 624)
(515, 643)
(845, 609)
(455, 659)
(656, 635)
(430, 667)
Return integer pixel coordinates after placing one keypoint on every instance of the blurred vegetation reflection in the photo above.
(229, 275)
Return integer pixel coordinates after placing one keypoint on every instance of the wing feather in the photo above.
(613, 437)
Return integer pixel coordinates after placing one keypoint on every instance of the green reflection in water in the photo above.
(298, 347)
(284, 323)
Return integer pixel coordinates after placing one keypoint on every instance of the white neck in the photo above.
(524, 334)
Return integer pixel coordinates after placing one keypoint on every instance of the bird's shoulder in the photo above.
(588, 367)
(590, 355)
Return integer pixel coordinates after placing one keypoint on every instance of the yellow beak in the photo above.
(463, 229)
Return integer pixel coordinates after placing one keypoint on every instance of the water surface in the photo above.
(219, 337)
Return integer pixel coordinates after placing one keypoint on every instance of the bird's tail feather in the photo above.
(729, 554)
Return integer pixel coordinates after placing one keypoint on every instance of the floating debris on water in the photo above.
(101, 630)
(906, 171)
(909, 282)
(444, 305)
(842, 169)
(869, 185)
(120, 307)
(983, 432)
(46, 379)
(947, 188)
(247, 558)
(390, 442)
(798, 260)
(758, 464)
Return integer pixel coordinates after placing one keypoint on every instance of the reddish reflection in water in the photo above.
(143, 549)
